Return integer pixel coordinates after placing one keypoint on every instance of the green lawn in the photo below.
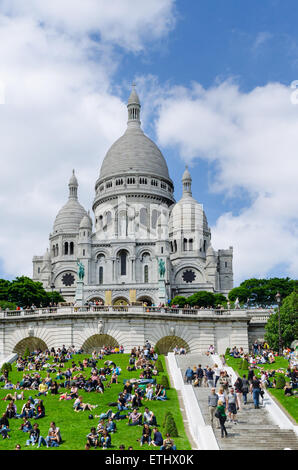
(75, 426)
(289, 403)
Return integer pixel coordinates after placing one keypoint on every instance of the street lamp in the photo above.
(278, 300)
(52, 287)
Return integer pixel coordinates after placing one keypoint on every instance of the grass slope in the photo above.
(75, 426)
(289, 403)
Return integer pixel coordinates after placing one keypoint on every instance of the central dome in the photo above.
(134, 152)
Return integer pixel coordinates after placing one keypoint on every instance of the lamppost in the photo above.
(278, 300)
(52, 287)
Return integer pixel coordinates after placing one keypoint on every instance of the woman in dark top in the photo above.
(146, 437)
(54, 388)
(222, 418)
(40, 410)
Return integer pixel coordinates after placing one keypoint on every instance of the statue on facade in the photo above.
(81, 270)
(161, 268)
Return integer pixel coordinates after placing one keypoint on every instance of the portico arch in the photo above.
(168, 343)
(32, 343)
(120, 301)
(145, 299)
(96, 342)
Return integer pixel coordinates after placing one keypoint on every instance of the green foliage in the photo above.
(227, 351)
(24, 292)
(27, 352)
(156, 349)
(159, 366)
(280, 382)
(168, 413)
(288, 322)
(219, 299)
(179, 300)
(6, 367)
(4, 285)
(201, 299)
(170, 426)
(165, 382)
(262, 292)
(4, 304)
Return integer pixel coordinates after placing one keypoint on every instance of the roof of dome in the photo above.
(86, 222)
(69, 217)
(134, 151)
(71, 214)
(186, 175)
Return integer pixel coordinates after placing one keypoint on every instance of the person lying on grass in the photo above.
(80, 406)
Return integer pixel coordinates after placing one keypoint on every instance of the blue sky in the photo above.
(67, 71)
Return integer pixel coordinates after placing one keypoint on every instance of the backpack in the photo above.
(217, 414)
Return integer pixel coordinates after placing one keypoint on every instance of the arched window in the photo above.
(190, 244)
(66, 248)
(54, 250)
(144, 216)
(123, 262)
(100, 280)
(172, 248)
(84, 252)
(204, 245)
(146, 274)
(57, 250)
(184, 244)
(175, 246)
(71, 248)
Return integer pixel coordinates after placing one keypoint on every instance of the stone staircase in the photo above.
(255, 429)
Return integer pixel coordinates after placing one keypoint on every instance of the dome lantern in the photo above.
(73, 186)
(186, 181)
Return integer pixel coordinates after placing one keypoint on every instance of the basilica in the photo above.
(136, 227)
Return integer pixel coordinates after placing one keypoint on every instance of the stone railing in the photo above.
(252, 315)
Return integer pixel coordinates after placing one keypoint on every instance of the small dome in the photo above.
(133, 98)
(69, 217)
(186, 175)
(73, 180)
(86, 222)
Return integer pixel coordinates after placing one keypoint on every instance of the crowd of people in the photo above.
(58, 373)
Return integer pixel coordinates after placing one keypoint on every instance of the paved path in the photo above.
(255, 429)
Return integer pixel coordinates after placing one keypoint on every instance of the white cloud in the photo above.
(253, 140)
(128, 23)
(59, 111)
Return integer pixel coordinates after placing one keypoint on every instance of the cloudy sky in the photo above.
(215, 83)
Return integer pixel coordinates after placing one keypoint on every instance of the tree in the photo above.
(241, 292)
(262, 292)
(219, 299)
(179, 300)
(288, 322)
(25, 292)
(201, 299)
(4, 285)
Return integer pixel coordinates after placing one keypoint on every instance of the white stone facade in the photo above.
(136, 223)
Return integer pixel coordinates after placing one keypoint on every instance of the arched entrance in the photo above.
(120, 301)
(145, 299)
(97, 300)
(168, 343)
(32, 343)
(96, 342)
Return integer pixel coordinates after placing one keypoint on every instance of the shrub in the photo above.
(27, 352)
(280, 382)
(6, 368)
(168, 413)
(156, 350)
(227, 351)
(171, 427)
(159, 366)
(165, 382)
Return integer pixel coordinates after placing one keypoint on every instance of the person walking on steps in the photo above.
(255, 389)
(220, 414)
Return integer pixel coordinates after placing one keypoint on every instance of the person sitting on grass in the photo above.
(105, 440)
(168, 443)
(27, 410)
(149, 417)
(122, 402)
(34, 435)
(288, 390)
(42, 388)
(136, 399)
(146, 436)
(54, 388)
(26, 425)
(16, 396)
(40, 410)
(111, 426)
(157, 440)
(4, 430)
(11, 410)
(162, 395)
(101, 426)
(135, 418)
(114, 379)
(93, 438)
